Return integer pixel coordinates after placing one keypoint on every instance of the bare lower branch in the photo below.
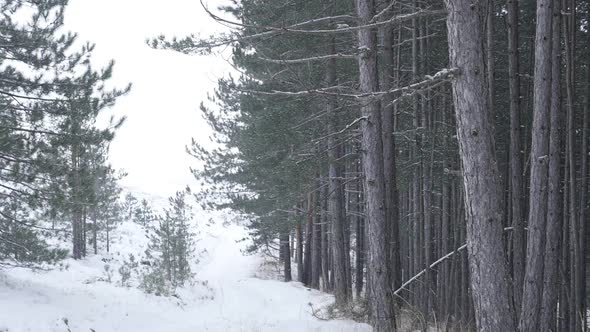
(440, 260)
(442, 75)
(310, 59)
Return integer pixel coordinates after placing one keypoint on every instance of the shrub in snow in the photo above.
(108, 272)
(154, 282)
(170, 249)
(143, 214)
(126, 269)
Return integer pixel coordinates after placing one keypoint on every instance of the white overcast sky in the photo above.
(162, 109)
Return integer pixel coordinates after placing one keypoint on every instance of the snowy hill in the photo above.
(77, 296)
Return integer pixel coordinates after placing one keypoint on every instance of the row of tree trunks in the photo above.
(511, 276)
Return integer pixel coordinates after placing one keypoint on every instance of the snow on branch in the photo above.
(440, 260)
(193, 44)
(341, 28)
(350, 125)
(433, 265)
(310, 59)
(442, 75)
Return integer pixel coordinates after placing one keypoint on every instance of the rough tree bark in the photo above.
(585, 175)
(325, 225)
(335, 193)
(417, 169)
(533, 279)
(548, 319)
(285, 248)
(577, 313)
(490, 58)
(77, 226)
(380, 302)
(316, 258)
(516, 181)
(360, 254)
(391, 201)
(490, 280)
(299, 253)
(308, 241)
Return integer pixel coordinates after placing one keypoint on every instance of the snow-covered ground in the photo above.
(77, 297)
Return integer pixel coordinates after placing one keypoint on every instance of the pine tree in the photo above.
(48, 113)
(130, 205)
(170, 248)
(143, 213)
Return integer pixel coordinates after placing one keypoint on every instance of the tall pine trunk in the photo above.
(548, 318)
(286, 254)
(380, 301)
(537, 220)
(308, 241)
(577, 312)
(389, 166)
(299, 253)
(490, 280)
(316, 254)
(335, 193)
(516, 181)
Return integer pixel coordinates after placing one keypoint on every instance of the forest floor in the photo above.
(232, 293)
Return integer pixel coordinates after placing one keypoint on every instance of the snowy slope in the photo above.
(43, 301)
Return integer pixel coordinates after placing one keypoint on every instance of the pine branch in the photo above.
(439, 77)
(310, 59)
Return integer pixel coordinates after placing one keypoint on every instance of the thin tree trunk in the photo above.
(94, 231)
(84, 232)
(417, 169)
(429, 286)
(107, 227)
(444, 280)
(360, 253)
(518, 239)
(308, 241)
(325, 240)
(316, 258)
(489, 275)
(77, 228)
(564, 268)
(285, 248)
(584, 188)
(299, 253)
(490, 58)
(360, 235)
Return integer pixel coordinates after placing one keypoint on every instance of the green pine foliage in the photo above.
(270, 146)
(52, 155)
(170, 249)
(143, 214)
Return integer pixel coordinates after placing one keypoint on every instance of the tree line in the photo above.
(414, 155)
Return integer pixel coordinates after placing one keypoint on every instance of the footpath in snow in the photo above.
(234, 300)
